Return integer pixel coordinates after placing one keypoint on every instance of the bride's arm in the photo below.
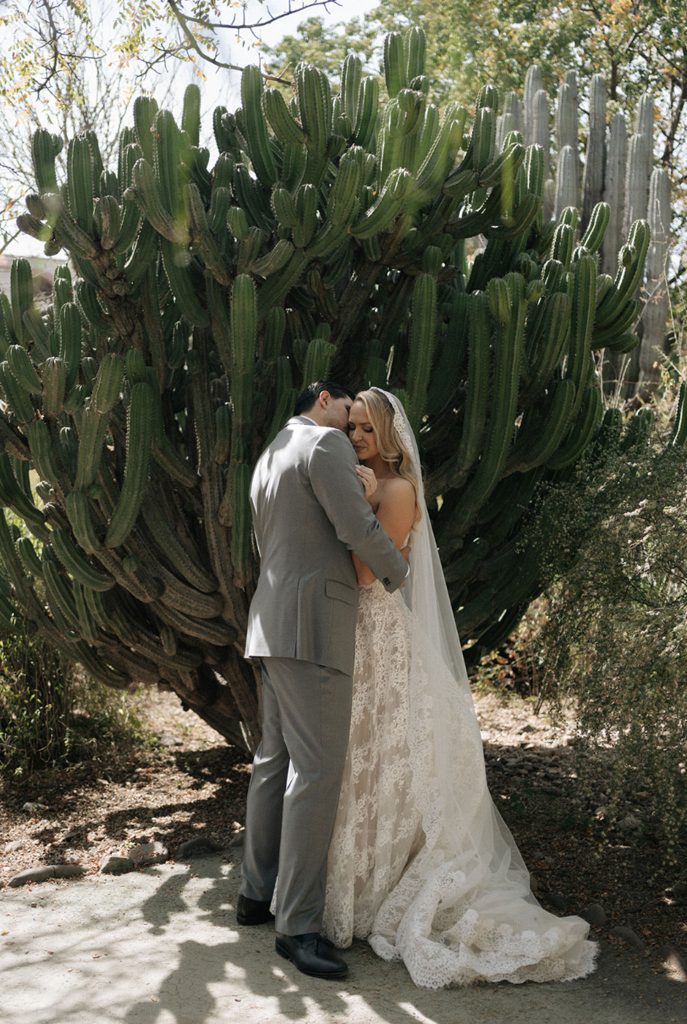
(396, 515)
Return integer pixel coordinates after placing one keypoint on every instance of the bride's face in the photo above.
(361, 432)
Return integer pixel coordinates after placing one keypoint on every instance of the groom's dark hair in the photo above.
(309, 396)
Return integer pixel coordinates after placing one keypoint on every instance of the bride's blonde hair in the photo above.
(380, 413)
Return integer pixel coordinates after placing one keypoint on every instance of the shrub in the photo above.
(615, 636)
(50, 714)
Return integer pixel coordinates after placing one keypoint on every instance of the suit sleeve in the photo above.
(337, 488)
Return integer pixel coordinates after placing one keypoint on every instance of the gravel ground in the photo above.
(188, 784)
(161, 946)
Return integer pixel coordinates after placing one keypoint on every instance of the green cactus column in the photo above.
(325, 234)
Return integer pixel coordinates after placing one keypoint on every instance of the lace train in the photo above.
(420, 864)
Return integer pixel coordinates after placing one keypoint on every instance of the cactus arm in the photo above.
(15, 395)
(596, 227)
(499, 429)
(44, 454)
(145, 191)
(70, 342)
(186, 285)
(138, 445)
(59, 593)
(583, 306)
(582, 432)
(76, 565)
(277, 286)
(274, 260)
(80, 519)
(256, 129)
(286, 129)
(629, 273)
(21, 291)
(678, 437)
(91, 440)
(395, 67)
(540, 437)
(547, 339)
(381, 215)
(182, 561)
(317, 360)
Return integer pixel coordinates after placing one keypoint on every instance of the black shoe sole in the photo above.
(325, 975)
(241, 919)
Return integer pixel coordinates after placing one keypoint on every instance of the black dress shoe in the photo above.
(250, 911)
(311, 954)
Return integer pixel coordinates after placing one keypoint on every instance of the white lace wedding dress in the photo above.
(453, 909)
(421, 863)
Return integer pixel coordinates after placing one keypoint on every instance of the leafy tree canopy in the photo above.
(637, 45)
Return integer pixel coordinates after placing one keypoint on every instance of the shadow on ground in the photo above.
(161, 947)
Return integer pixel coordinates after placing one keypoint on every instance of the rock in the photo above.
(595, 914)
(14, 845)
(674, 964)
(44, 872)
(237, 841)
(199, 846)
(558, 901)
(628, 935)
(112, 864)
(148, 853)
(629, 824)
(167, 739)
(34, 807)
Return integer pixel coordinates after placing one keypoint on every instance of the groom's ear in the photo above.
(323, 397)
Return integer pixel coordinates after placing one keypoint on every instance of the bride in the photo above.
(421, 864)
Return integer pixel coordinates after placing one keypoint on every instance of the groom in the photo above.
(309, 513)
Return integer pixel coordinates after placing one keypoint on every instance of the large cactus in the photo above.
(328, 237)
(617, 169)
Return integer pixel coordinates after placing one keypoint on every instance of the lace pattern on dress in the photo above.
(450, 905)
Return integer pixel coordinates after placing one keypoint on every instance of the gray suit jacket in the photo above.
(309, 512)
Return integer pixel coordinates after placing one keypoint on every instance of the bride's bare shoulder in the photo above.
(397, 490)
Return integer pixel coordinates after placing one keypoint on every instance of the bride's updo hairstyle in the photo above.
(380, 414)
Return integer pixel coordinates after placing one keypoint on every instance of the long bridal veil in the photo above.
(463, 909)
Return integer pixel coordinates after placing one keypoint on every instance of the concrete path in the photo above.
(161, 947)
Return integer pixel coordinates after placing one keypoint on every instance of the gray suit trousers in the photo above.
(290, 813)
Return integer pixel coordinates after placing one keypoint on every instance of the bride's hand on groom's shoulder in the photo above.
(368, 480)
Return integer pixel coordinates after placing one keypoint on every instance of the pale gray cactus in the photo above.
(656, 308)
(534, 83)
(618, 171)
(614, 190)
(566, 112)
(510, 119)
(594, 166)
(638, 172)
(566, 180)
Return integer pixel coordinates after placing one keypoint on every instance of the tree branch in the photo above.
(240, 26)
(52, 41)
(194, 45)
